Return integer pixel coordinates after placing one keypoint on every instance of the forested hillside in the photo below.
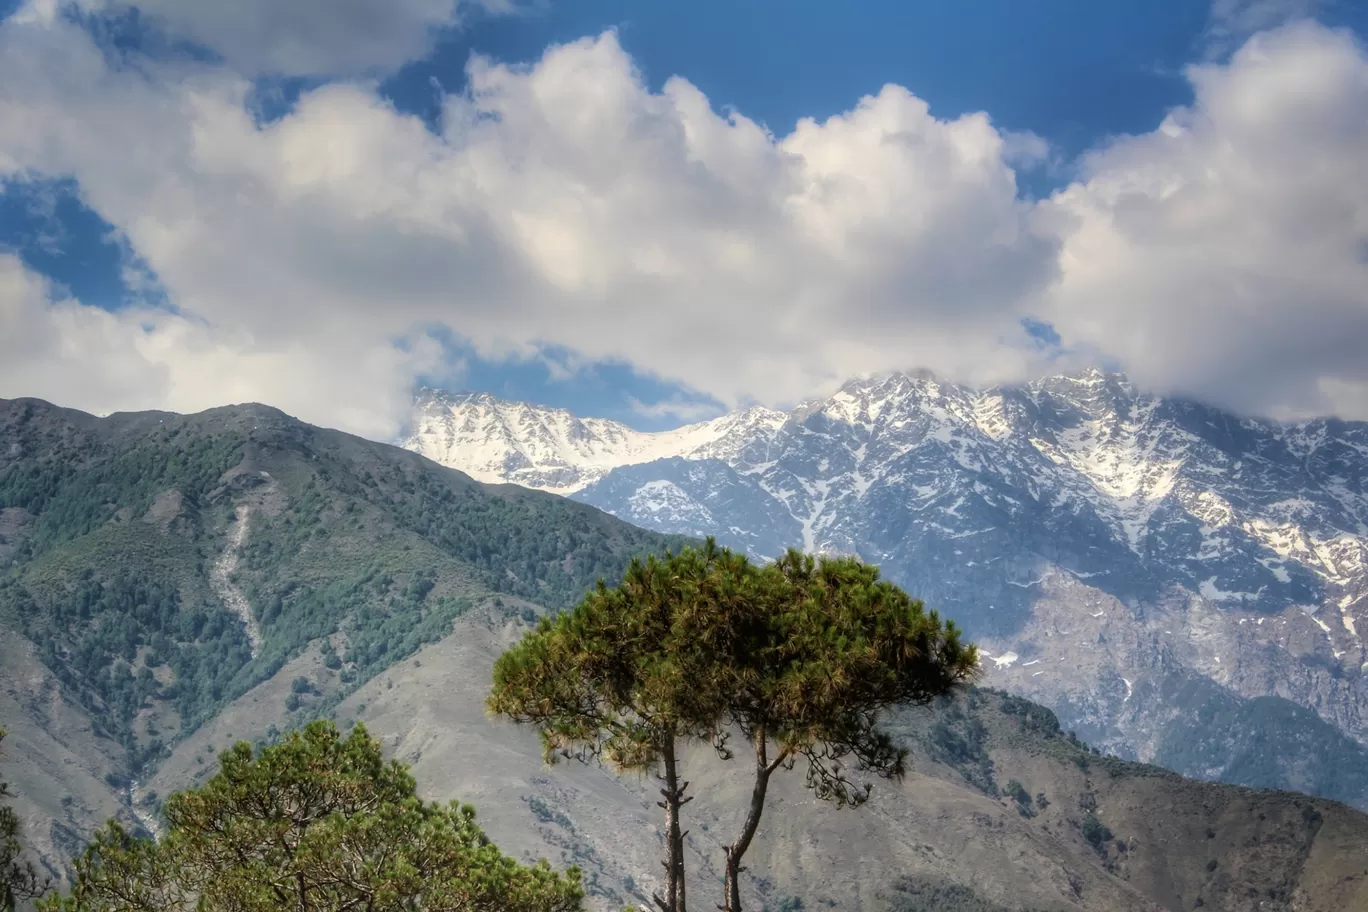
(175, 584)
(159, 566)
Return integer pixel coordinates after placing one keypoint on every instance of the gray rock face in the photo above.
(1100, 543)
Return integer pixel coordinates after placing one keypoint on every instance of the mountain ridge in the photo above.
(383, 586)
(514, 440)
(1192, 541)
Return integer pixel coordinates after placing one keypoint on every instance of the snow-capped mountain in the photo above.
(497, 441)
(1099, 542)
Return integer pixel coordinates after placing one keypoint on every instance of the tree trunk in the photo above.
(674, 899)
(763, 769)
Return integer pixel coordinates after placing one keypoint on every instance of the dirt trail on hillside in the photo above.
(221, 577)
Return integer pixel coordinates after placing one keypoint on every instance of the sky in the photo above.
(658, 211)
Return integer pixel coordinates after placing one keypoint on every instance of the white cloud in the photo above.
(1230, 22)
(58, 349)
(565, 204)
(674, 408)
(1226, 253)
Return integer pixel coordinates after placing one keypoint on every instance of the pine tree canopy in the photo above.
(800, 656)
(317, 823)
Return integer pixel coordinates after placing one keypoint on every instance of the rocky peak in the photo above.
(975, 499)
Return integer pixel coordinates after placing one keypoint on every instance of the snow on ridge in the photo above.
(496, 440)
(1086, 443)
(1213, 593)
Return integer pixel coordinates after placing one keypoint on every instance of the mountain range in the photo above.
(172, 584)
(1181, 585)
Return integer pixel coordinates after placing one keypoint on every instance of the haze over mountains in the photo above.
(1180, 584)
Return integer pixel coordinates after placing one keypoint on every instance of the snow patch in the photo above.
(1213, 593)
(1006, 660)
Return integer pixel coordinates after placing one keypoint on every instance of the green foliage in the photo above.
(317, 822)
(70, 502)
(384, 624)
(1095, 832)
(111, 641)
(621, 677)
(19, 879)
(1032, 717)
(959, 740)
(544, 549)
(800, 656)
(1017, 792)
(344, 537)
(816, 651)
(923, 894)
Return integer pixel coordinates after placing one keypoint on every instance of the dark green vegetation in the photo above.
(925, 894)
(107, 639)
(127, 544)
(353, 557)
(800, 657)
(317, 822)
(19, 879)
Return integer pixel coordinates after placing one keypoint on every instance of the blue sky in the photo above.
(1072, 73)
(1067, 70)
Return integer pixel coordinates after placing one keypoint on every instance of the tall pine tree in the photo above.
(19, 879)
(619, 679)
(801, 657)
(317, 823)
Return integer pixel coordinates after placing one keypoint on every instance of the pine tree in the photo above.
(809, 657)
(316, 823)
(801, 657)
(618, 678)
(19, 879)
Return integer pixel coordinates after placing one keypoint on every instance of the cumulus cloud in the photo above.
(1225, 254)
(564, 204)
(55, 348)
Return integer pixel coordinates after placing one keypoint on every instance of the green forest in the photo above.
(111, 576)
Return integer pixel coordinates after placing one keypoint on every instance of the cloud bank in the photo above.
(1222, 255)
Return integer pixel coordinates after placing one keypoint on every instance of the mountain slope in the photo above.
(373, 584)
(1086, 533)
(956, 820)
(157, 567)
